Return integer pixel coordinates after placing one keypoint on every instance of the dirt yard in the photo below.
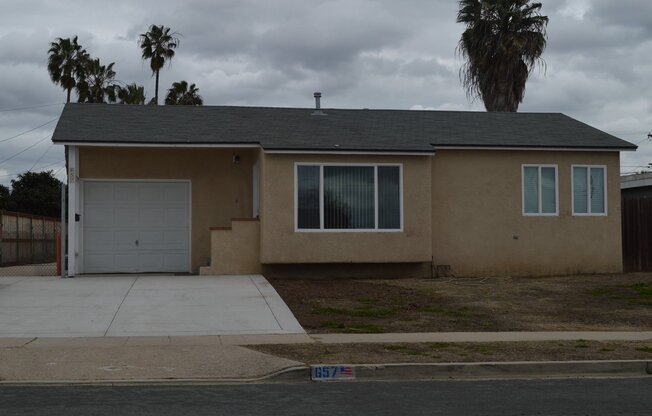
(459, 352)
(584, 303)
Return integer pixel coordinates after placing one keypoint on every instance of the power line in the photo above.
(41, 168)
(2, 110)
(25, 149)
(40, 158)
(25, 132)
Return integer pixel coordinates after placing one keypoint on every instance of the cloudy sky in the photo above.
(359, 53)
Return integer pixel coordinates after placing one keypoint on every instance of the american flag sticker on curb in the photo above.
(322, 372)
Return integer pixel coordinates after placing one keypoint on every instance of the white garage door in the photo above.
(136, 227)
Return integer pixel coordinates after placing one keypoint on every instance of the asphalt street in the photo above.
(632, 396)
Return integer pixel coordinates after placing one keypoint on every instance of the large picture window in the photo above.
(348, 197)
(589, 190)
(540, 190)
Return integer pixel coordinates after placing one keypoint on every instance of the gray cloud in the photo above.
(360, 53)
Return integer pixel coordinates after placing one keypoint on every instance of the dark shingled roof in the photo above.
(338, 130)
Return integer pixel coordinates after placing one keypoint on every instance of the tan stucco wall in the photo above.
(235, 250)
(477, 212)
(221, 189)
(281, 244)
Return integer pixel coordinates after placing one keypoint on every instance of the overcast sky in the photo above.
(359, 53)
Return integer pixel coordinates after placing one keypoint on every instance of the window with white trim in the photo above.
(540, 190)
(348, 197)
(589, 190)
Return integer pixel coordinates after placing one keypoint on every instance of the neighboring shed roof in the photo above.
(338, 130)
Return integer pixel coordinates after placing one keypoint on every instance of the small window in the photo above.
(589, 190)
(348, 197)
(539, 189)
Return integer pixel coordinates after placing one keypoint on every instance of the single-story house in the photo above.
(338, 192)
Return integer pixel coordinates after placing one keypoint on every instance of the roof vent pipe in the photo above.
(318, 111)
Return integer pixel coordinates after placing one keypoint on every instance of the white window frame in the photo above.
(588, 193)
(540, 214)
(321, 228)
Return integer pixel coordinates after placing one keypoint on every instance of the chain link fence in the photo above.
(28, 244)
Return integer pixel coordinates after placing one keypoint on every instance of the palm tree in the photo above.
(98, 84)
(131, 94)
(181, 94)
(503, 42)
(158, 45)
(66, 63)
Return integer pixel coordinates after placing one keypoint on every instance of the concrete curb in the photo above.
(404, 372)
(493, 370)
(292, 374)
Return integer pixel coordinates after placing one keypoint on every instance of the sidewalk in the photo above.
(209, 358)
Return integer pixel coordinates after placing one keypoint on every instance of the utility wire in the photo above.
(2, 110)
(41, 158)
(26, 149)
(42, 167)
(25, 132)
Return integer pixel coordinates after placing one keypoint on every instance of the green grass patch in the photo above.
(331, 324)
(327, 310)
(644, 349)
(601, 291)
(364, 329)
(395, 347)
(373, 312)
(581, 343)
(439, 345)
(458, 312)
(367, 301)
(606, 349)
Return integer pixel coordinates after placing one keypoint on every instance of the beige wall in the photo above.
(235, 250)
(281, 244)
(221, 189)
(477, 212)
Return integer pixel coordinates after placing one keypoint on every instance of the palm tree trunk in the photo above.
(156, 89)
(68, 95)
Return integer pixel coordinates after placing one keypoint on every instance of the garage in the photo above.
(135, 226)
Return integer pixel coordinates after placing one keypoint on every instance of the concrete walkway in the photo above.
(483, 337)
(217, 358)
(131, 305)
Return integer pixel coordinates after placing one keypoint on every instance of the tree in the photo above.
(181, 94)
(5, 197)
(131, 94)
(37, 193)
(66, 60)
(502, 44)
(98, 83)
(158, 45)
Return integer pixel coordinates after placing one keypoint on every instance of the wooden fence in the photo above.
(637, 233)
(27, 239)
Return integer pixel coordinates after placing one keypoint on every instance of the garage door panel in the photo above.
(99, 240)
(100, 192)
(126, 216)
(176, 192)
(152, 216)
(125, 239)
(117, 214)
(176, 261)
(176, 216)
(98, 216)
(150, 193)
(174, 240)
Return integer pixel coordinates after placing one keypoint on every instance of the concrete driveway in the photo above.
(130, 305)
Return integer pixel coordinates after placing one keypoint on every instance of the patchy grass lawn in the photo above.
(459, 352)
(585, 303)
